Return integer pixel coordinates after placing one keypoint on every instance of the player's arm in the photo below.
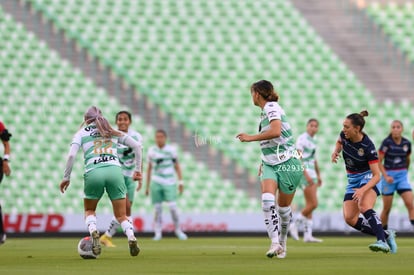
(275, 130)
(137, 148)
(318, 173)
(381, 167)
(74, 148)
(408, 160)
(177, 168)
(337, 151)
(7, 151)
(376, 176)
(147, 185)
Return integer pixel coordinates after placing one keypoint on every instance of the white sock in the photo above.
(174, 215)
(300, 219)
(271, 218)
(113, 226)
(128, 230)
(307, 231)
(158, 219)
(90, 222)
(285, 214)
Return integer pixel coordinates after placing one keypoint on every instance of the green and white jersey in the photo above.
(280, 149)
(307, 145)
(162, 161)
(126, 155)
(98, 151)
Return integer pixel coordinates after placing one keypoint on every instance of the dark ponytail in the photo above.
(358, 119)
(265, 89)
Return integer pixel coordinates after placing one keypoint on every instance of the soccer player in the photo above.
(361, 162)
(102, 173)
(163, 167)
(281, 169)
(4, 170)
(311, 180)
(126, 156)
(395, 152)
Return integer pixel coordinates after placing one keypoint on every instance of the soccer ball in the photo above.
(85, 248)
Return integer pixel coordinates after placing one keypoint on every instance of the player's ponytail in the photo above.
(94, 114)
(265, 89)
(358, 119)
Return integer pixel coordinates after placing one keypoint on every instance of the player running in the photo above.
(102, 172)
(311, 180)
(281, 169)
(395, 151)
(361, 162)
(162, 169)
(4, 170)
(126, 156)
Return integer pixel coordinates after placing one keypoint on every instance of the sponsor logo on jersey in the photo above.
(361, 152)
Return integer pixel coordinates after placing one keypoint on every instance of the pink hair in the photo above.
(94, 114)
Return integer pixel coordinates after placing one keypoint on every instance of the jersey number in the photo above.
(102, 147)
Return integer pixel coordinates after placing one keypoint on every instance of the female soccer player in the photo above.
(311, 180)
(4, 169)
(361, 162)
(102, 172)
(281, 169)
(126, 156)
(162, 169)
(395, 151)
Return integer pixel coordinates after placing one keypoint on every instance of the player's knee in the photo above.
(172, 204)
(268, 201)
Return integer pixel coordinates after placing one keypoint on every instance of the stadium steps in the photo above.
(337, 24)
(138, 103)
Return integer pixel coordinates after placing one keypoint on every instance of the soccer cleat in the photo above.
(312, 239)
(379, 246)
(282, 254)
(181, 235)
(96, 246)
(106, 241)
(391, 241)
(133, 247)
(293, 230)
(157, 237)
(275, 249)
(3, 238)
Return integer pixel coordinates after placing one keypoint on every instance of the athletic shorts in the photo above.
(131, 185)
(107, 178)
(303, 182)
(400, 184)
(162, 192)
(357, 181)
(287, 175)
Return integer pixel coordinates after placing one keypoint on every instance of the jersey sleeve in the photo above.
(174, 154)
(384, 147)
(372, 155)
(272, 112)
(77, 139)
(300, 143)
(149, 155)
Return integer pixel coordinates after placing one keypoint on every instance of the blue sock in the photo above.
(375, 224)
(364, 227)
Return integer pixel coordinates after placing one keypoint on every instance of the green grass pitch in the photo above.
(219, 255)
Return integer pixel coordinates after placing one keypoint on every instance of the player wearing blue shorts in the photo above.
(361, 162)
(395, 152)
(281, 169)
(126, 157)
(102, 173)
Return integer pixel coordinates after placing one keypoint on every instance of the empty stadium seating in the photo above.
(43, 101)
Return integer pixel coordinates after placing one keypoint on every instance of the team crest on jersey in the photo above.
(405, 148)
(361, 152)
(349, 162)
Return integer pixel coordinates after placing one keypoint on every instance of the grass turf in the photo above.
(222, 255)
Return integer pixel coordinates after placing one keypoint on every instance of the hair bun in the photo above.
(364, 113)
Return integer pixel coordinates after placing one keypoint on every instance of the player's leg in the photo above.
(157, 197)
(271, 217)
(116, 189)
(407, 197)
(311, 199)
(386, 209)
(170, 192)
(297, 220)
(2, 232)
(93, 189)
(366, 205)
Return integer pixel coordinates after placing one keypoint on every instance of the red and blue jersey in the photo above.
(358, 155)
(395, 155)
